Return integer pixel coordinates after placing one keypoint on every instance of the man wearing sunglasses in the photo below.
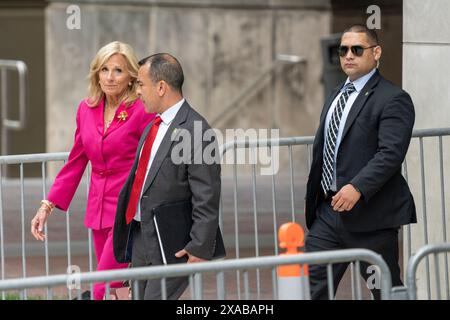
(356, 196)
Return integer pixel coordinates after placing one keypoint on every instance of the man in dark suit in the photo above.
(158, 181)
(356, 196)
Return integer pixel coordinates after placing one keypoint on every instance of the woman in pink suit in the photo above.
(109, 125)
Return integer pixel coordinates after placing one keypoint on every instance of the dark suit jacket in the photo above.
(168, 183)
(374, 143)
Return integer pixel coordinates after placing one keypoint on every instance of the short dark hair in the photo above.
(360, 28)
(163, 66)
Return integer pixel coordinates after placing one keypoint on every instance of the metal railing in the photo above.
(197, 270)
(43, 159)
(418, 135)
(271, 144)
(422, 212)
(413, 265)
(252, 206)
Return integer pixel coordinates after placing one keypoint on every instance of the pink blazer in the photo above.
(111, 155)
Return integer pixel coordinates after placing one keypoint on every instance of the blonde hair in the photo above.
(116, 47)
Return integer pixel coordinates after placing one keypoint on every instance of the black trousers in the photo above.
(142, 257)
(328, 233)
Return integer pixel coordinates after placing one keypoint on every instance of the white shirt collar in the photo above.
(168, 115)
(361, 81)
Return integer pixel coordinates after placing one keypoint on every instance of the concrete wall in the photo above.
(222, 45)
(22, 35)
(426, 74)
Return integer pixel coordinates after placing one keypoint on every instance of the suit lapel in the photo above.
(165, 145)
(360, 101)
(99, 118)
(323, 116)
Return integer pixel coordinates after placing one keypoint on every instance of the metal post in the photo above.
(236, 218)
(2, 242)
(424, 213)
(255, 220)
(291, 166)
(22, 220)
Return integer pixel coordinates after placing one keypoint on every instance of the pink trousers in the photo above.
(103, 243)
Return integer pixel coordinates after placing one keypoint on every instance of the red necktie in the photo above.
(141, 170)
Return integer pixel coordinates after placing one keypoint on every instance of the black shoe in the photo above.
(86, 295)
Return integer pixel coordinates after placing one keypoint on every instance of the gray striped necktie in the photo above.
(331, 138)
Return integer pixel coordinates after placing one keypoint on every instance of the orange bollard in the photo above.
(293, 280)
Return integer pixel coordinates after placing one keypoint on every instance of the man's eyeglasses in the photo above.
(356, 50)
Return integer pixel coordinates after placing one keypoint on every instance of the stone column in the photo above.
(426, 76)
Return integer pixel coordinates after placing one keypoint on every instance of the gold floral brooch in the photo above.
(123, 115)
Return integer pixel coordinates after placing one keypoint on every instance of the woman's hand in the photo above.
(38, 222)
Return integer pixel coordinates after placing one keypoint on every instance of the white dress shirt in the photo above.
(166, 119)
(359, 84)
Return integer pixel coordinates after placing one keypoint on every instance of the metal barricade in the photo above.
(413, 265)
(432, 176)
(418, 232)
(252, 206)
(248, 191)
(197, 271)
(25, 218)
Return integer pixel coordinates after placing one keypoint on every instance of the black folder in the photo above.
(173, 222)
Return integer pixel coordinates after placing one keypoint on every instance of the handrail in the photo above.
(22, 70)
(231, 108)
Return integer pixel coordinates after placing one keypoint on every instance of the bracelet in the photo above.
(49, 205)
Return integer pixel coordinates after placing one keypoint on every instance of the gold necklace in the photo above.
(109, 121)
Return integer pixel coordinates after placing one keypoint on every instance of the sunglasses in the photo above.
(356, 50)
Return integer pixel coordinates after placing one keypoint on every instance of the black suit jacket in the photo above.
(170, 183)
(374, 143)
